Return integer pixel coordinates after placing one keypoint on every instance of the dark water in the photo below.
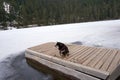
(16, 68)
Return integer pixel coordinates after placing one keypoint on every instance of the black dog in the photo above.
(63, 49)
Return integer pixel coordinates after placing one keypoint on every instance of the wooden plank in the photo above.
(97, 58)
(72, 52)
(62, 69)
(104, 58)
(108, 61)
(82, 53)
(83, 57)
(48, 52)
(92, 57)
(75, 54)
(114, 63)
(42, 48)
(91, 53)
(115, 74)
(78, 67)
(79, 53)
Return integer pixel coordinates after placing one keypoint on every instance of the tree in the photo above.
(45, 12)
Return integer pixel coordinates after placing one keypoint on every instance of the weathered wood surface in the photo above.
(98, 62)
(63, 69)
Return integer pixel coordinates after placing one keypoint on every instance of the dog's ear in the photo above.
(59, 43)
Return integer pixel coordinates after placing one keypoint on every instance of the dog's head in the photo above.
(58, 44)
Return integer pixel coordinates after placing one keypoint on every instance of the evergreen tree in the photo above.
(46, 12)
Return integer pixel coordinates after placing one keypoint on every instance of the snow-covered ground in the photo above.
(14, 42)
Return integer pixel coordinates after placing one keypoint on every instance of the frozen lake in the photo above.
(14, 42)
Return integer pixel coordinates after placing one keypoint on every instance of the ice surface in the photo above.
(14, 42)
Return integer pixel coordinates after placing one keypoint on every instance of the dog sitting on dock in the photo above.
(63, 49)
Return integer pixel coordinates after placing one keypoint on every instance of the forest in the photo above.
(51, 12)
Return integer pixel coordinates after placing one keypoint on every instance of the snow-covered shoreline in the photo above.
(14, 42)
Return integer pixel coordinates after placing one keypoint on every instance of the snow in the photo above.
(10, 28)
(14, 42)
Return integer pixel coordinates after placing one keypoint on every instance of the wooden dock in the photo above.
(83, 63)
